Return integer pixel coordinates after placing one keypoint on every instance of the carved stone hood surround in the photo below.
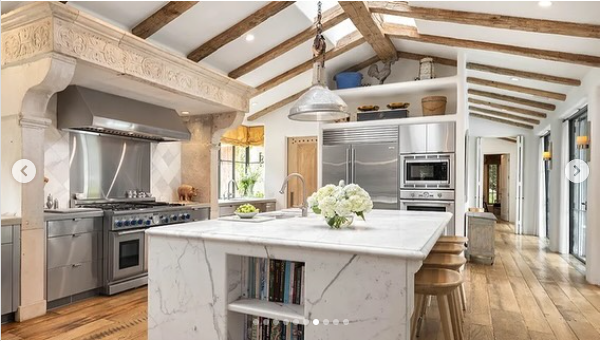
(44, 28)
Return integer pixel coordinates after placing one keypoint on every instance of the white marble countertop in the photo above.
(403, 234)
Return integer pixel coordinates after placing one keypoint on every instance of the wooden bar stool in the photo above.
(452, 262)
(453, 240)
(454, 249)
(443, 284)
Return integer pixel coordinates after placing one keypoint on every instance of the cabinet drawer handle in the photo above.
(77, 265)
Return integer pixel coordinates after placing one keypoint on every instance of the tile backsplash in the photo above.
(166, 170)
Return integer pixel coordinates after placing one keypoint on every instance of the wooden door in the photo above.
(301, 158)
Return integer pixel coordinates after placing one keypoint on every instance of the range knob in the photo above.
(187, 216)
(439, 195)
(182, 216)
(133, 222)
(412, 194)
(118, 223)
(426, 195)
(164, 219)
(148, 222)
(126, 223)
(140, 221)
(174, 217)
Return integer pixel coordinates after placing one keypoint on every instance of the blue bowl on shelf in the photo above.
(346, 80)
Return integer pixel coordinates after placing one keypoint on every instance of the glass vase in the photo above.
(339, 222)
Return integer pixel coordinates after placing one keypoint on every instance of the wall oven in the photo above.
(429, 201)
(427, 171)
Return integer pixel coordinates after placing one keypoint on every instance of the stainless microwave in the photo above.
(427, 171)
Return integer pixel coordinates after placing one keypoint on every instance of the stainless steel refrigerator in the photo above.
(364, 156)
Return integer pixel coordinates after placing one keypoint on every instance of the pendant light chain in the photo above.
(319, 45)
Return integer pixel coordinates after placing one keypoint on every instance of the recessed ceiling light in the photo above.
(545, 3)
(185, 112)
(249, 37)
(514, 79)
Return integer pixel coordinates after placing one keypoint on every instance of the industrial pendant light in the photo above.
(319, 103)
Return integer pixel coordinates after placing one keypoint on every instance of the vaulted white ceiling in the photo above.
(207, 19)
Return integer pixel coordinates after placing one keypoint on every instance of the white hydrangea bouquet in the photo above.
(339, 204)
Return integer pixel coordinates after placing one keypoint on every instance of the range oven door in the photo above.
(427, 170)
(128, 251)
(431, 206)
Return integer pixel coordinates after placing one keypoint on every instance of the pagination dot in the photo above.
(316, 322)
(336, 322)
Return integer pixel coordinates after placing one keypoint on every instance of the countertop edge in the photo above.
(416, 255)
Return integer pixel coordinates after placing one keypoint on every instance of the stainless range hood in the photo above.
(83, 109)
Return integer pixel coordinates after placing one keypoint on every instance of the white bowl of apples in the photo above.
(246, 211)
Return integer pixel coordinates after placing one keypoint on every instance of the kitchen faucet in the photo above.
(231, 193)
(304, 206)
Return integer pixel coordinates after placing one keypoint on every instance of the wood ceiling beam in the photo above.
(509, 108)
(517, 100)
(508, 139)
(487, 20)
(503, 115)
(238, 29)
(410, 33)
(370, 28)
(437, 60)
(345, 44)
(331, 17)
(402, 55)
(523, 74)
(277, 105)
(503, 121)
(517, 88)
(160, 18)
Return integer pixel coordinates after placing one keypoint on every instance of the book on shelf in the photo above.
(273, 280)
(262, 328)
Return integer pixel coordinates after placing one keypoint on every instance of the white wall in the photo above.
(277, 129)
(497, 146)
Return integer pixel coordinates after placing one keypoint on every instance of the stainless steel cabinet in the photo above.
(336, 164)
(10, 268)
(74, 257)
(413, 138)
(200, 213)
(375, 168)
(427, 138)
(440, 137)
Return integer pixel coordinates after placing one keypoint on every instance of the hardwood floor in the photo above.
(527, 294)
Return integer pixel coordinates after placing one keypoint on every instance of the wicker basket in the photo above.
(434, 105)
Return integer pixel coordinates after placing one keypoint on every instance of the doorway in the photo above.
(496, 194)
(578, 126)
(301, 158)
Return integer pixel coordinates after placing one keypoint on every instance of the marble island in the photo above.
(362, 275)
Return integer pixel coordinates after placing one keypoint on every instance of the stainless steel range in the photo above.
(125, 264)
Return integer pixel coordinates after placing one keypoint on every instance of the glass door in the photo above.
(578, 192)
(547, 183)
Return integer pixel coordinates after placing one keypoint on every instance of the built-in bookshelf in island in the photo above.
(272, 299)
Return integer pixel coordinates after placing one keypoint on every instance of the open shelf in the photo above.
(394, 121)
(420, 88)
(273, 310)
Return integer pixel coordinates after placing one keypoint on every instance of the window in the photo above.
(243, 165)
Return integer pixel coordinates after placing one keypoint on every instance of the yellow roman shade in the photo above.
(244, 136)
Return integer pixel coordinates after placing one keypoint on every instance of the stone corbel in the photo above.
(37, 80)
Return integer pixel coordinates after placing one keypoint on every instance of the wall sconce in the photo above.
(547, 156)
(582, 142)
